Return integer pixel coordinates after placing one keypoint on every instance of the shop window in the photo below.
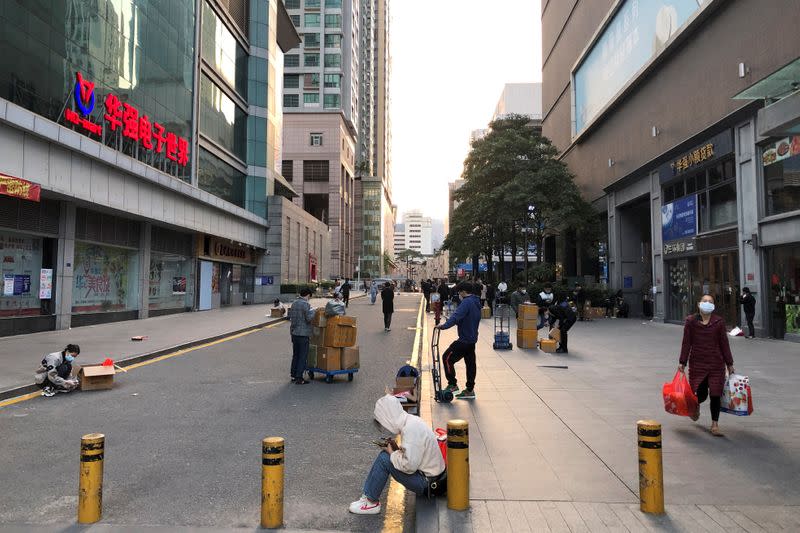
(106, 279)
(691, 184)
(716, 175)
(783, 265)
(722, 202)
(22, 263)
(171, 281)
(782, 176)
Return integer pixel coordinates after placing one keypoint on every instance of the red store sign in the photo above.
(133, 124)
(19, 188)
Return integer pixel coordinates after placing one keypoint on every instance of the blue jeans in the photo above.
(379, 475)
(299, 355)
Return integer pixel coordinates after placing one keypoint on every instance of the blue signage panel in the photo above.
(467, 267)
(679, 219)
(637, 32)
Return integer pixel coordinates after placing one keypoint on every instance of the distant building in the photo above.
(520, 99)
(477, 135)
(417, 234)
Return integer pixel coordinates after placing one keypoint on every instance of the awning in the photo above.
(280, 181)
(287, 35)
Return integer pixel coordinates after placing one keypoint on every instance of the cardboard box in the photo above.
(527, 324)
(320, 320)
(527, 338)
(340, 332)
(350, 358)
(329, 358)
(528, 312)
(486, 312)
(311, 361)
(276, 313)
(96, 377)
(597, 312)
(555, 334)
(317, 336)
(548, 345)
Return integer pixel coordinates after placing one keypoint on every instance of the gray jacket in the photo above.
(49, 371)
(301, 315)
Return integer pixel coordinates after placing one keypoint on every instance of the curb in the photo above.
(26, 389)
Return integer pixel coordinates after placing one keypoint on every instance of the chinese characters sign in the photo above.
(679, 219)
(133, 124)
(695, 157)
(19, 188)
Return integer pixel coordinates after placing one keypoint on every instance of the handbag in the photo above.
(737, 397)
(678, 396)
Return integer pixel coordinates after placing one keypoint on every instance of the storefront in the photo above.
(172, 272)
(226, 273)
(699, 229)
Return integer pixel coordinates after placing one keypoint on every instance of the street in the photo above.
(183, 435)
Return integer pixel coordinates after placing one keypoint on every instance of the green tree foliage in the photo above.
(515, 192)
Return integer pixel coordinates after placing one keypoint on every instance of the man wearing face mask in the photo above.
(56, 368)
(705, 348)
(544, 301)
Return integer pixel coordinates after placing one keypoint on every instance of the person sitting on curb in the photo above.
(467, 317)
(414, 463)
(278, 305)
(54, 373)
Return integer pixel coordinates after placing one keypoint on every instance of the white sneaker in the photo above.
(364, 506)
(49, 392)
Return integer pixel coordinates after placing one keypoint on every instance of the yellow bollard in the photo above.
(272, 482)
(651, 471)
(90, 484)
(457, 465)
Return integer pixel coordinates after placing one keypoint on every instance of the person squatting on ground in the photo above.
(705, 347)
(56, 368)
(564, 316)
(301, 315)
(387, 302)
(748, 302)
(467, 317)
(413, 464)
(276, 304)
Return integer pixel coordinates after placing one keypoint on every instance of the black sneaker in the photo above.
(301, 381)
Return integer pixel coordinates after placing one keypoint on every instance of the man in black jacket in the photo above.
(565, 317)
(748, 302)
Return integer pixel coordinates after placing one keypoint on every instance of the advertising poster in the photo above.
(45, 283)
(8, 284)
(179, 285)
(638, 31)
(103, 280)
(679, 219)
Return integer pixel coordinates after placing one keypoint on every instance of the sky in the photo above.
(450, 60)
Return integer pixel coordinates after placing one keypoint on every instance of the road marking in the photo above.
(396, 496)
(32, 395)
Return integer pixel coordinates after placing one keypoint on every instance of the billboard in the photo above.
(637, 32)
(679, 219)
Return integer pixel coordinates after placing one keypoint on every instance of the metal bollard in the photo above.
(272, 482)
(90, 483)
(457, 465)
(651, 471)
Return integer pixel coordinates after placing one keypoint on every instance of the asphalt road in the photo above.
(183, 435)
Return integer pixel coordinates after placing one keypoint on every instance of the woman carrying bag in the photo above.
(705, 347)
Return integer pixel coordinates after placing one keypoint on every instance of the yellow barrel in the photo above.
(457, 465)
(272, 482)
(90, 482)
(651, 471)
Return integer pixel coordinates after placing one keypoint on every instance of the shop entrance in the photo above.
(225, 284)
(636, 257)
(716, 274)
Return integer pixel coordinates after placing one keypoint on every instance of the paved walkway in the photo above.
(20, 354)
(554, 449)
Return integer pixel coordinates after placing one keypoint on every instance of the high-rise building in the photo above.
(520, 99)
(416, 232)
(680, 122)
(139, 152)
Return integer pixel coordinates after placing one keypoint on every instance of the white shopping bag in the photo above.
(737, 398)
(736, 332)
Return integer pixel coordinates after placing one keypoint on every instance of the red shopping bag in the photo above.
(678, 396)
(441, 439)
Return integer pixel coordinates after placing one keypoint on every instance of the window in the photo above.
(333, 4)
(287, 169)
(220, 179)
(332, 81)
(331, 21)
(292, 4)
(295, 20)
(291, 81)
(291, 60)
(312, 3)
(291, 100)
(311, 40)
(332, 100)
(311, 98)
(782, 176)
(315, 139)
(333, 40)
(311, 20)
(333, 60)
(315, 170)
(311, 60)
(311, 81)
(223, 52)
(221, 119)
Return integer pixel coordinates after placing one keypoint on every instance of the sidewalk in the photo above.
(20, 354)
(555, 449)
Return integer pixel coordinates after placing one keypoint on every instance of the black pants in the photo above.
(564, 329)
(716, 402)
(387, 320)
(427, 302)
(299, 355)
(64, 371)
(346, 299)
(749, 317)
(455, 353)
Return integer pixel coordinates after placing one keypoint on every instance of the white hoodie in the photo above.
(418, 447)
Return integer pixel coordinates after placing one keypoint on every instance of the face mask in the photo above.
(706, 307)
(69, 358)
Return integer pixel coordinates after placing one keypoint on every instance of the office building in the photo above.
(680, 122)
(415, 233)
(520, 99)
(139, 150)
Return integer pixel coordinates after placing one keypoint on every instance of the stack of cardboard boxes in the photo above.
(333, 343)
(527, 320)
(486, 312)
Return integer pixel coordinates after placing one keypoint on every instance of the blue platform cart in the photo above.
(502, 327)
(329, 374)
